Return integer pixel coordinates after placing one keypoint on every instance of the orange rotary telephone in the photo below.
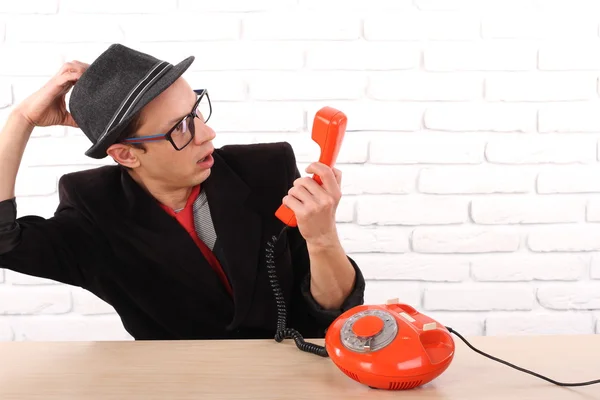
(391, 346)
(328, 131)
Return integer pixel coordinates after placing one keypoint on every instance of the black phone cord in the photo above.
(283, 332)
(519, 368)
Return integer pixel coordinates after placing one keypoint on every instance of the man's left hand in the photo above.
(315, 205)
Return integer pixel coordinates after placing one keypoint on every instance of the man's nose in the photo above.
(204, 134)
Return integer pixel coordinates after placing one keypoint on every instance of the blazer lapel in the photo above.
(238, 229)
(172, 247)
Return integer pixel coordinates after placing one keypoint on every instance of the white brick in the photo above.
(354, 5)
(18, 279)
(479, 297)
(411, 210)
(595, 267)
(378, 179)
(363, 239)
(424, 86)
(528, 267)
(538, 25)
(2, 31)
(35, 182)
(464, 239)
(360, 56)
(446, 4)
(35, 300)
(425, 148)
(29, 60)
(527, 210)
(464, 323)
(537, 323)
(576, 296)
(421, 26)
(230, 56)
(70, 328)
(72, 151)
(479, 56)
(541, 87)
(2, 273)
(379, 292)
(222, 86)
(43, 206)
(5, 94)
(564, 56)
(475, 179)
(569, 179)
(353, 151)
(307, 86)
(569, 118)
(412, 267)
(257, 117)
(6, 332)
(534, 149)
(205, 27)
(118, 6)
(29, 7)
(481, 117)
(234, 5)
(86, 303)
(23, 87)
(346, 209)
(301, 25)
(373, 116)
(585, 237)
(486, 6)
(560, 6)
(476, 5)
(63, 28)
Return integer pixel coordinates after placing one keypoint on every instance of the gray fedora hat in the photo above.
(118, 84)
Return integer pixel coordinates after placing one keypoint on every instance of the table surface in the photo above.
(265, 369)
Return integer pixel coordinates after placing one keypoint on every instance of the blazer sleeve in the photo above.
(57, 248)
(301, 262)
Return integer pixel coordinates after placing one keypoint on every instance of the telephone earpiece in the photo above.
(329, 128)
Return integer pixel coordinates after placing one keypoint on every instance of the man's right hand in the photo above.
(47, 106)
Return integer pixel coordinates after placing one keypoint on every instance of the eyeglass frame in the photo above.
(167, 136)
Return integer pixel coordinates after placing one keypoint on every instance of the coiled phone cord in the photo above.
(283, 332)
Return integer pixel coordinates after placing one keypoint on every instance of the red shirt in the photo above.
(186, 218)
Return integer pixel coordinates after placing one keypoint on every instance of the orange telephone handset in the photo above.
(329, 128)
(390, 346)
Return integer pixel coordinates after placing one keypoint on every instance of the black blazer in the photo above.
(112, 238)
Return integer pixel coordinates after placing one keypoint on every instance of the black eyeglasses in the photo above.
(183, 132)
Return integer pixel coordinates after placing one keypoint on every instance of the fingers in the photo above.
(330, 181)
(303, 191)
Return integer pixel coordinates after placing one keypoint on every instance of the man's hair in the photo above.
(130, 131)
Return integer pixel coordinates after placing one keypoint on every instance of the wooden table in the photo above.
(265, 369)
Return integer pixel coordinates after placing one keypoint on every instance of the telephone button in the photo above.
(368, 326)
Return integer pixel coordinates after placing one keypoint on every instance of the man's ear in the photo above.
(124, 154)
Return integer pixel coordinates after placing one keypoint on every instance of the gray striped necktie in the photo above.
(203, 222)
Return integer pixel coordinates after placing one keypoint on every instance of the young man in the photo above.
(176, 236)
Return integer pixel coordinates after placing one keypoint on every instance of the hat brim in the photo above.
(98, 149)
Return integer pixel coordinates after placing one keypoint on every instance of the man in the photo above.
(176, 236)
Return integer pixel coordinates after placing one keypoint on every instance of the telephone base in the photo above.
(392, 346)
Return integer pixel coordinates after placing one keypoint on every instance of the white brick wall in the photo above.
(471, 163)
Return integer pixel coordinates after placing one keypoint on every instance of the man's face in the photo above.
(160, 162)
